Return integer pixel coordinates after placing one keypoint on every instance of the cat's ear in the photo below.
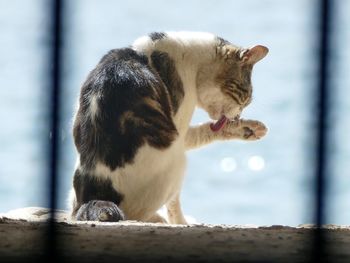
(254, 54)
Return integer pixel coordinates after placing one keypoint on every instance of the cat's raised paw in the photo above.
(252, 130)
(243, 129)
(97, 210)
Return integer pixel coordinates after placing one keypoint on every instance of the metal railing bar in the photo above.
(55, 81)
(323, 104)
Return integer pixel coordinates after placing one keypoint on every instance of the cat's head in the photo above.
(224, 88)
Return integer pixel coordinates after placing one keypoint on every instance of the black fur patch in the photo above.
(157, 36)
(133, 108)
(166, 69)
(88, 188)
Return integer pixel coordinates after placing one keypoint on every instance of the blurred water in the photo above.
(265, 182)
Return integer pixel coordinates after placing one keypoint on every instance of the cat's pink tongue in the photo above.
(219, 124)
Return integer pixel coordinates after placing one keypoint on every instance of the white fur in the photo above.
(150, 182)
(71, 195)
(93, 106)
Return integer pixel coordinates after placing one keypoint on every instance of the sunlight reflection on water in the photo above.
(256, 163)
(228, 164)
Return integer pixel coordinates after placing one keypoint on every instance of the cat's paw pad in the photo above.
(252, 130)
(97, 210)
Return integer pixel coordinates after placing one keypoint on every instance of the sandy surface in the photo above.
(23, 234)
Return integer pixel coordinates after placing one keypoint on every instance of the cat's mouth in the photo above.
(221, 122)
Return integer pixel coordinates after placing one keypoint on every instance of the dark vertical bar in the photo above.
(322, 130)
(55, 61)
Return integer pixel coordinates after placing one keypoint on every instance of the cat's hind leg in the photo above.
(175, 214)
(95, 199)
(99, 210)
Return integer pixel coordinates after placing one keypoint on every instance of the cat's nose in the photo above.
(236, 118)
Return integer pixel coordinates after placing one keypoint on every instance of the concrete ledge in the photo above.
(23, 236)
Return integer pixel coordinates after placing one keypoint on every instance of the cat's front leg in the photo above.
(198, 136)
(248, 130)
(174, 210)
(201, 135)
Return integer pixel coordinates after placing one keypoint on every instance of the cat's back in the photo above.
(123, 105)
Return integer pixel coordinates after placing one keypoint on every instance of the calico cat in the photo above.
(131, 129)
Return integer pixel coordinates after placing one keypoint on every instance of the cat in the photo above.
(131, 129)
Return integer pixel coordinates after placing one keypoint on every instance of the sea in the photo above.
(266, 182)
